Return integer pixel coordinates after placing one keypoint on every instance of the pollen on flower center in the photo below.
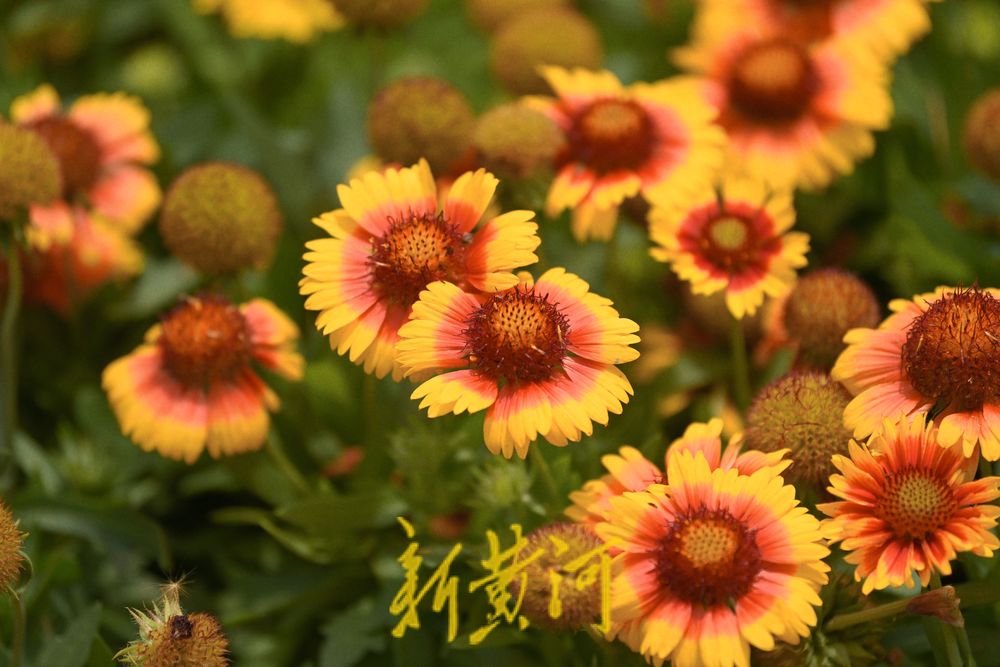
(517, 336)
(205, 339)
(915, 504)
(708, 557)
(415, 252)
(611, 134)
(76, 149)
(952, 351)
(773, 81)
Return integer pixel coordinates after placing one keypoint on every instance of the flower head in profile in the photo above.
(169, 637)
(734, 237)
(939, 351)
(540, 358)
(712, 562)
(629, 470)
(104, 147)
(886, 28)
(391, 240)
(908, 506)
(298, 21)
(796, 114)
(191, 386)
(625, 141)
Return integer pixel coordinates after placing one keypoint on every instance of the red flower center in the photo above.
(733, 239)
(773, 81)
(76, 149)
(517, 337)
(610, 135)
(415, 252)
(205, 340)
(708, 557)
(915, 503)
(952, 351)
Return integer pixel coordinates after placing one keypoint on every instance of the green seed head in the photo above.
(490, 14)
(824, 305)
(803, 412)
(545, 36)
(514, 141)
(559, 593)
(220, 217)
(381, 14)
(982, 134)
(420, 117)
(30, 172)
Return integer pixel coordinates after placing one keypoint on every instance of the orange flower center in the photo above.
(773, 81)
(610, 135)
(805, 20)
(76, 149)
(708, 557)
(415, 252)
(915, 503)
(952, 351)
(204, 340)
(517, 337)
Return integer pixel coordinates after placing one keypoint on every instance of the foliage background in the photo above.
(300, 566)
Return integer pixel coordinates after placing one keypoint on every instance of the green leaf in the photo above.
(72, 648)
(107, 526)
(353, 634)
(333, 516)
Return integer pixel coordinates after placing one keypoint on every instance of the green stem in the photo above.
(280, 459)
(539, 462)
(869, 615)
(8, 350)
(369, 406)
(17, 642)
(953, 655)
(741, 371)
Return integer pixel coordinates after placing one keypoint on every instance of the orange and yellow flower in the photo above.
(391, 240)
(796, 114)
(732, 236)
(939, 351)
(104, 148)
(909, 506)
(190, 386)
(625, 141)
(62, 274)
(712, 562)
(629, 470)
(298, 21)
(885, 27)
(539, 358)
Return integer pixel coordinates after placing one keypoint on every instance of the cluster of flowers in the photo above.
(417, 278)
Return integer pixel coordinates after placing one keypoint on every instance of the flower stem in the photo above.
(539, 462)
(741, 372)
(954, 658)
(280, 459)
(17, 642)
(8, 351)
(842, 621)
